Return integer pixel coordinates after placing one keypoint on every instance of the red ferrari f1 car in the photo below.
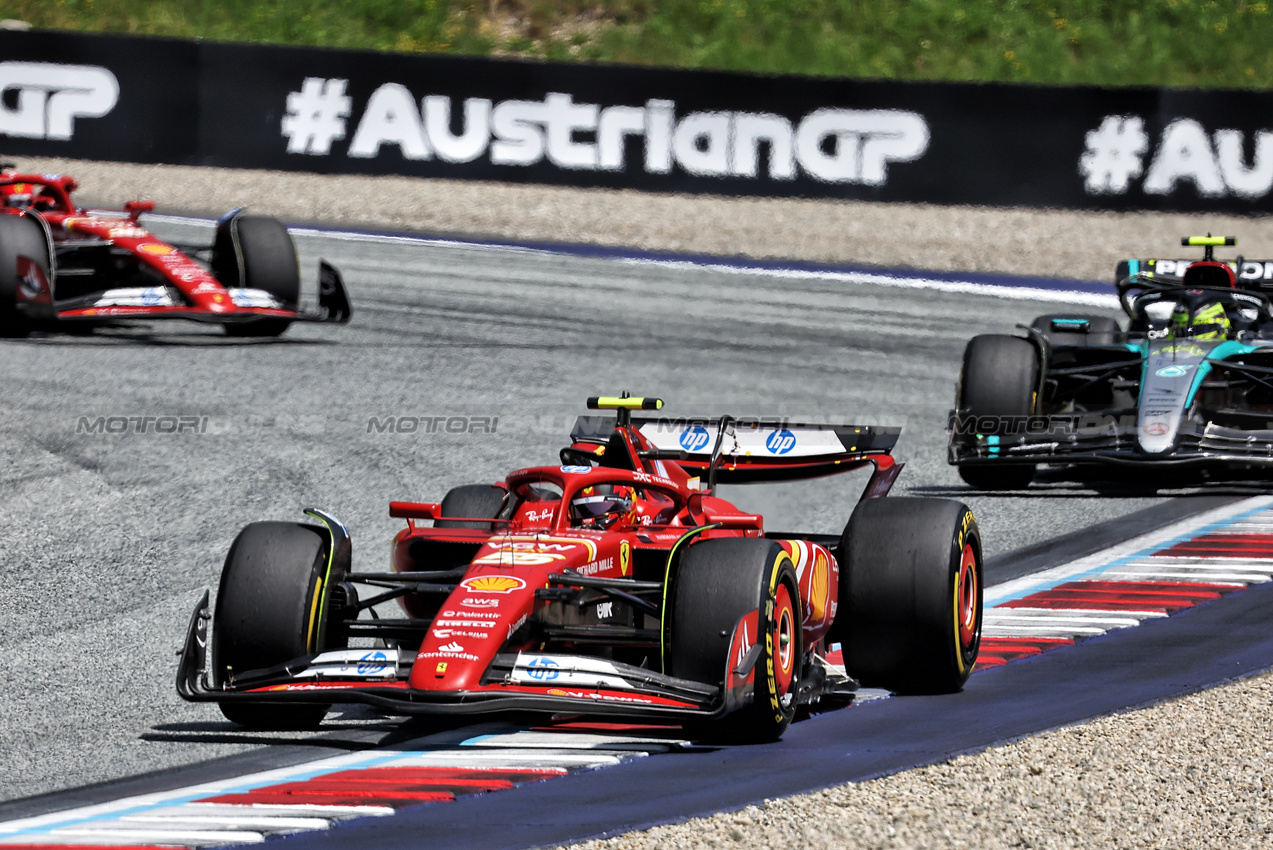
(62, 266)
(615, 582)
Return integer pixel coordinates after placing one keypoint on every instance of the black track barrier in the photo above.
(153, 100)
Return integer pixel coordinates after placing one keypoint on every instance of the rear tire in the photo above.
(718, 584)
(472, 500)
(270, 608)
(1101, 330)
(910, 594)
(1000, 379)
(19, 236)
(269, 263)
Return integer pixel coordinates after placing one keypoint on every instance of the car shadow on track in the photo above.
(350, 727)
(163, 341)
(233, 735)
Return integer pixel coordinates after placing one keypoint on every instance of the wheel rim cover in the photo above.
(784, 639)
(966, 599)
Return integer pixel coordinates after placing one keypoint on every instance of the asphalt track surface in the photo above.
(109, 539)
(1196, 649)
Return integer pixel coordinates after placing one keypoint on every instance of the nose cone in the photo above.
(1171, 371)
(470, 628)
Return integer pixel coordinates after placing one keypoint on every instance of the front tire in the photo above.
(271, 608)
(257, 252)
(911, 591)
(729, 596)
(997, 387)
(20, 236)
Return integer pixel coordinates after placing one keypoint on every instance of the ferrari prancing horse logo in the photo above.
(625, 557)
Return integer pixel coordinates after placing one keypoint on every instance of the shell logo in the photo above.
(156, 249)
(493, 584)
(819, 586)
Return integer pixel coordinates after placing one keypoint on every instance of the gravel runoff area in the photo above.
(1193, 772)
(1051, 243)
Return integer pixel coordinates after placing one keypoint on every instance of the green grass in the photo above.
(1107, 42)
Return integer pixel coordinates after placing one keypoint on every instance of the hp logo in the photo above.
(543, 669)
(780, 442)
(695, 439)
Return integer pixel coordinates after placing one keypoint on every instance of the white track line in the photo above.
(1131, 551)
(741, 267)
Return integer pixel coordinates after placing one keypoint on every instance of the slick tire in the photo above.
(257, 252)
(20, 236)
(472, 500)
(911, 590)
(1000, 379)
(1101, 330)
(721, 588)
(271, 608)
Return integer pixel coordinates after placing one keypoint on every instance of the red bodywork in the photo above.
(504, 602)
(497, 595)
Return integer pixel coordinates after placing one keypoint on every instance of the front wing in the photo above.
(248, 305)
(378, 678)
(1065, 440)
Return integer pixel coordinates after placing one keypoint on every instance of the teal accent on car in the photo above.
(1223, 351)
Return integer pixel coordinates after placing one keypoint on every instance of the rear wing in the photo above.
(751, 450)
(1251, 274)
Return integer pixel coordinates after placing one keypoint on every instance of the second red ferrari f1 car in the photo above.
(66, 267)
(615, 582)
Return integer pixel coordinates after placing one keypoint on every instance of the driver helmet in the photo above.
(17, 195)
(1208, 321)
(603, 505)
